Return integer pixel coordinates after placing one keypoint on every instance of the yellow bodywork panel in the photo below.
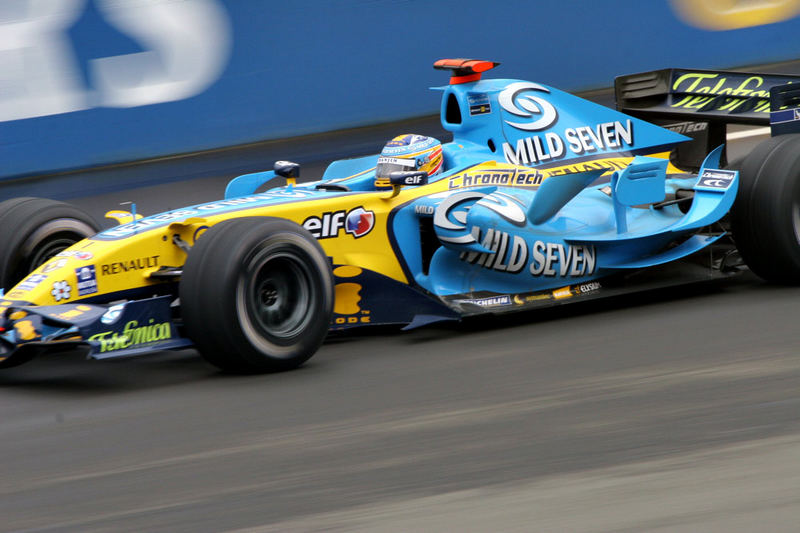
(123, 217)
(102, 266)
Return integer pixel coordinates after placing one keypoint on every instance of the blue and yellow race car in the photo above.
(541, 198)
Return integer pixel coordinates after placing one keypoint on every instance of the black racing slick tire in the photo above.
(765, 219)
(257, 295)
(34, 230)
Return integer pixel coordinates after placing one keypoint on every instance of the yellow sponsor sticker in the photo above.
(562, 293)
(347, 299)
(25, 330)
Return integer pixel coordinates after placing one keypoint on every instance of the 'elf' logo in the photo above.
(357, 222)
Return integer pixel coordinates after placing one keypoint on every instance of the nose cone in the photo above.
(69, 275)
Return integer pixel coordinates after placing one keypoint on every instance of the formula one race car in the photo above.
(541, 198)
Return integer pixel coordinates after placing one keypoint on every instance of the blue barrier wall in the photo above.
(90, 82)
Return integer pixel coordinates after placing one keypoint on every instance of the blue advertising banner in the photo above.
(92, 82)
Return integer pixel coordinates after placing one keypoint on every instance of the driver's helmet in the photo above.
(406, 153)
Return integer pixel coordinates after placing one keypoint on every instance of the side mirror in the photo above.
(288, 170)
(414, 177)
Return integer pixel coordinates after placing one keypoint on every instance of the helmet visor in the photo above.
(387, 165)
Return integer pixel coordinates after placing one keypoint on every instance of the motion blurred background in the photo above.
(85, 83)
(667, 411)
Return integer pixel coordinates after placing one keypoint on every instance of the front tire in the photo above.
(257, 295)
(34, 230)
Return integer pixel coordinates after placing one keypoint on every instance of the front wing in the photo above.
(125, 329)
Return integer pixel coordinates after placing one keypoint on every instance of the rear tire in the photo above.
(257, 295)
(34, 230)
(765, 219)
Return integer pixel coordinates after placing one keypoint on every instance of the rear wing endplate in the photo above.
(784, 116)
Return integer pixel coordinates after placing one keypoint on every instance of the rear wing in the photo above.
(701, 103)
(699, 95)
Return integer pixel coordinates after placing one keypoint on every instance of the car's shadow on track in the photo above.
(67, 372)
(70, 373)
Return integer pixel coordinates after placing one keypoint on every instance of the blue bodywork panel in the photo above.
(495, 238)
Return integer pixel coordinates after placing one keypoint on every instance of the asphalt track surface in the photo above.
(674, 410)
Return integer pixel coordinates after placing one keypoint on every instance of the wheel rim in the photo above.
(277, 294)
